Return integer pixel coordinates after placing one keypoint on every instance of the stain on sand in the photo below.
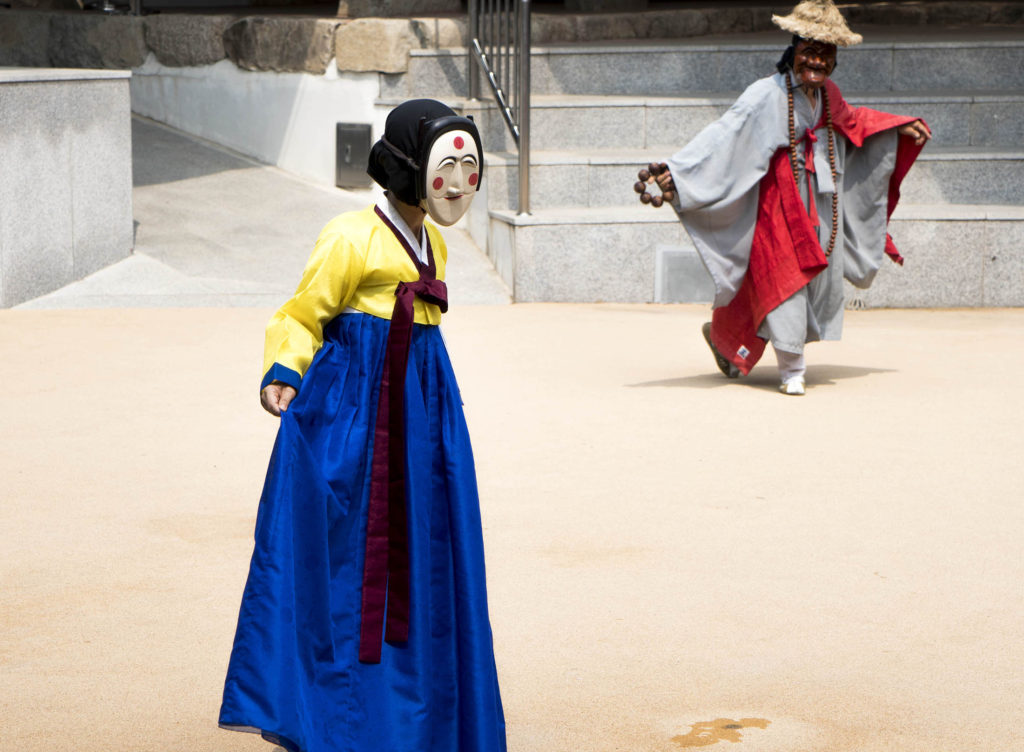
(706, 733)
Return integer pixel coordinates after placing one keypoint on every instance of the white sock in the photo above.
(791, 365)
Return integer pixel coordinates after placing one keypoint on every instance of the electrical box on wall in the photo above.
(352, 151)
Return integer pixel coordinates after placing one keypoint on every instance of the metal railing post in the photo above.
(523, 95)
(499, 48)
(472, 66)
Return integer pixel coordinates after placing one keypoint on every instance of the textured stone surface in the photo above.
(959, 67)
(943, 268)
(281, 43)
(47, 4)
(65, 186)
(891, 14)
(611, 184)
(392, 8)
(864, 68)
(567, 263)
(605, 6)
(435, 33)
(23, 38)
(95, 41)
(375, 44)
(101, 174)
(584, 255)
(730, 21)
(439, 74)
(949, 119)
(1008, 15)
(1003, 260)
(953, 14)
(680, 276)
(36, 237)
(585, 126)
(967, 179)
(182, 40)
(675, 125)
(672, 71)
(997, 123)
(501, 250)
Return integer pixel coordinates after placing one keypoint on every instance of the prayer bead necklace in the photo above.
(831, 160)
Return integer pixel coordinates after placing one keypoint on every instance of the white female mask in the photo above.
(451, 176)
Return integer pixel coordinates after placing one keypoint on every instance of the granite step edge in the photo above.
(604, 215)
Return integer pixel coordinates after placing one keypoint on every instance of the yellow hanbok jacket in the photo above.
(356, 264)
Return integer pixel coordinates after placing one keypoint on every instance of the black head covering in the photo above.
(786, 62)
(396, 160)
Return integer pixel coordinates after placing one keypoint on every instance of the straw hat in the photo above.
(819, 20)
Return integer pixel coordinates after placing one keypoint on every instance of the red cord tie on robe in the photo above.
(386, 566)
(812, 204)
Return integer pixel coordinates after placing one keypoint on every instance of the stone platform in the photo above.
(600, 111)
(66, 181)
(612, 90)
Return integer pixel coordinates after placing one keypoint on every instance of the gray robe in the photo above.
(717, 176)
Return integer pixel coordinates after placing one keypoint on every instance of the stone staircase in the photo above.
(600, 111)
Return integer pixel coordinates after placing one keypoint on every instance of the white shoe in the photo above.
(794, 387)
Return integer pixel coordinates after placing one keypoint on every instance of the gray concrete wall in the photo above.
(65, 178)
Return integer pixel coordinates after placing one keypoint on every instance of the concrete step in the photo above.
(909, 62)
(561, 122)
(957, 255)
(597, 178)
(678, 68)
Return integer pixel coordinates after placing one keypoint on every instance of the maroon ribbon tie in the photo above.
(386, 565)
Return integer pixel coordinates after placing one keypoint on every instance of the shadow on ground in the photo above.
(158, 156)
(766, 378)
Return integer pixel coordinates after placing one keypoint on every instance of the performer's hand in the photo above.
(658, 174)
(276, 397)
(916, 130)
(664, 181)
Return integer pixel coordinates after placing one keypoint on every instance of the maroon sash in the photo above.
(386, 567)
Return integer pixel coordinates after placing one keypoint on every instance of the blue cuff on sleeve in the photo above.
(283, 374)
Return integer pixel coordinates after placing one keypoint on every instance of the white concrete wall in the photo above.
(283, 119)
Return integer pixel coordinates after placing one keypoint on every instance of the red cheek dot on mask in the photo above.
(473, 178)
(459, 143)
(438, 182)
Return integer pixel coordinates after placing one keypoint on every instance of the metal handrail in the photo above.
(499, 47)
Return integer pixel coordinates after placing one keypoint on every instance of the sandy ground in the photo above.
(665, 548)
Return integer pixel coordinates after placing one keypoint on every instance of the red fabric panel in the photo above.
(785, 255)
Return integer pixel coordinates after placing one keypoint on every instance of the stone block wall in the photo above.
(66, 179)
(284, 44)
(378, 35)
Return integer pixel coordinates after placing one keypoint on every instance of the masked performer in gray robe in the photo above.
(787, 194)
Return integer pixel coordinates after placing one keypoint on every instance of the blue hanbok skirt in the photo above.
(294, 674)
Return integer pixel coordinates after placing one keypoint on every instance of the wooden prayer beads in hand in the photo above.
(648, 176)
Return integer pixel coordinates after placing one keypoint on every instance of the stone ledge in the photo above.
(83, 40)
(281, 43)
(35, 75)
(384, 44)
(44, 38)
(549, 28)
(37, 38)
(180, 40)
(387, 8)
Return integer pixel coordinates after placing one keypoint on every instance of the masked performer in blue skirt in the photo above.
(364, 626)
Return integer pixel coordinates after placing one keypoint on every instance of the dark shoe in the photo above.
(721, 361)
